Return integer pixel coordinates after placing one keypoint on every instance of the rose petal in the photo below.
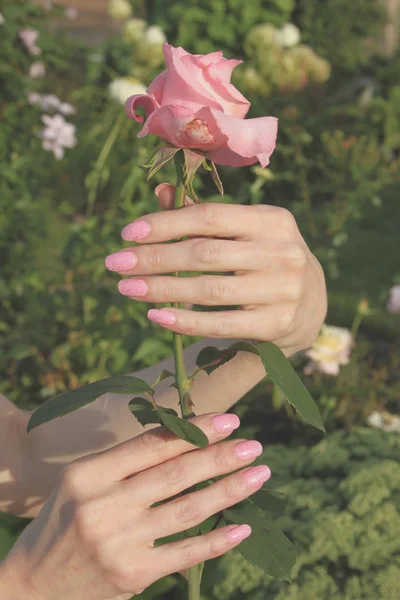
(149, 104)
(178, 89)
(228, 97)
(156, 88)
(253, 139)
(181, 127)
(223, 70)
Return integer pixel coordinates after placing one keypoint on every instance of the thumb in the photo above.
(165, 193)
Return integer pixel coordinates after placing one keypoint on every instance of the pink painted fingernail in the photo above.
(136, 231)
(256, 476)
(161, 317)
(121, 261)
(226, 423)
(239, 533)
(132, 287)
(248, 449)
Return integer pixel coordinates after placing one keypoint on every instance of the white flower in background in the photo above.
(2, 19)
(119, 10)
(67, 109)
(288, 36)
(393, 304)
(385, 421)
(57, 135)
(71, 12)
(49, 101)
(134, 29)
(37, 69)
(34, 98)
(120, 89)
(330, 350)
(29, 37)
(154, 35)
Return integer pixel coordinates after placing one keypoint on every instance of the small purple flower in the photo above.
(37, 69)
(57, 135)
(393, 304)
(29, 37)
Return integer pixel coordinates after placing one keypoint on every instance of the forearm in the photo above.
(108, 421)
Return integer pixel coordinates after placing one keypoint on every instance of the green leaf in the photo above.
(184, 429)
(270, 501)
(210, 358)
(68, 402)
(193, 161)
(144, 411)
(163, 375)
(210, 166)
(267, 548)
(279, 369)
(161, 157)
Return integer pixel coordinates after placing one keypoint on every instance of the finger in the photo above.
(214, 220)
(266, 323)
(165, 193)
(211, 290)
(179, 556)
(192, 509)
(150, 449)
(181, 473)
(207, 255)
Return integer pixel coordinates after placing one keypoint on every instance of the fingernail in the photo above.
(132, 287)
(256, 476)
(226, 423)
(161, 317)
(136, 231)
(160, 188)
(248, 449)
(239, 533)
(121, 261)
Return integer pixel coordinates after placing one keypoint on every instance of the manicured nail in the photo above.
(248, 449)
(239, 533)
(161, 317)
(256, 476)
(160, 188)
(121, 261)
(132, 287)
(135, 231)
(226, 423)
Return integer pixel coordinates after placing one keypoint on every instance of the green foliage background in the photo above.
(336, 167)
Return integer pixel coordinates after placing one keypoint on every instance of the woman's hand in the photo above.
(272, 274)
(94, 538)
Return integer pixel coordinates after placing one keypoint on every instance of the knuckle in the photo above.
(285, 219)
(232, 490)
(187, 512)
(215, 291)
(210, 215)
(216, 546)
(294, 289)
(123, 575)
(152, 257)
(296, 257)
(206, 252)
(85, 518)
(173, 473)
(149, 443)
(223, 455)
(284, 322)
(72, 478)
(221, 326)
(188, 557)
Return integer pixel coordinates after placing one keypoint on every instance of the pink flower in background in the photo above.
(192, 104)
(37, 69)
(71, 12)
(29, 37)
(57, 135)
(393, 304)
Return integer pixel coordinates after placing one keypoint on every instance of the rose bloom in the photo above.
(331, 349)
(192, 104)
(393, 304)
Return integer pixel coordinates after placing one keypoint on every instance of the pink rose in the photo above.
(192, 104)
